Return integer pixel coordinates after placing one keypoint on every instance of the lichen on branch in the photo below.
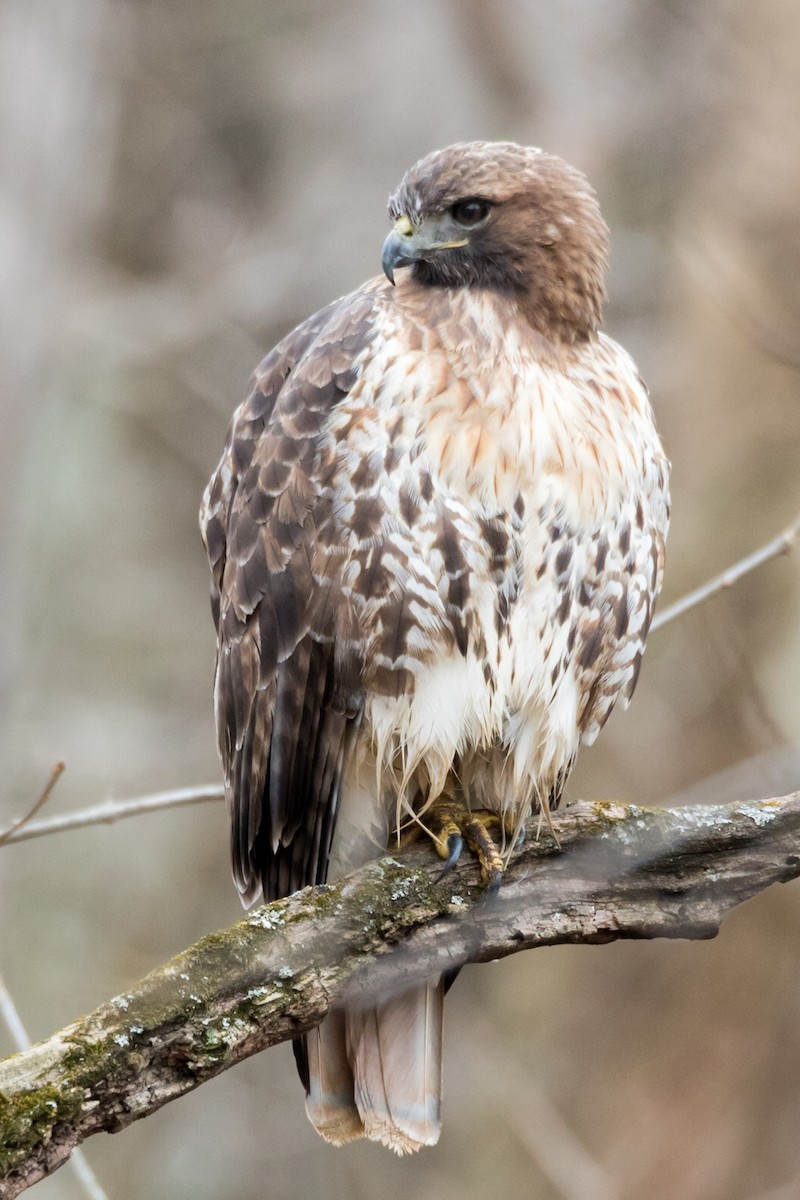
(621, 871)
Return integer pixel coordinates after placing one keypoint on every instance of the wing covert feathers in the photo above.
(286, 710)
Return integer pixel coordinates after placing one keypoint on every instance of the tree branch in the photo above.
(622, 872)
(84, 1174)
(24, 828)
(110, 811)
(7, 834)
(781, 544)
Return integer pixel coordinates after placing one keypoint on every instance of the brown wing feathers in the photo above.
(309, 747)
(284, 729)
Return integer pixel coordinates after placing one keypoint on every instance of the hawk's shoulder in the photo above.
(305, 374)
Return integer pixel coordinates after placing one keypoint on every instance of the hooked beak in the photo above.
(407, 244)
(399, 249)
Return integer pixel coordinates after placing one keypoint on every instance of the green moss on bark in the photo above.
(28, 1119)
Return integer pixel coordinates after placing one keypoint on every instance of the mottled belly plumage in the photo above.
(548, 631)
(499, 602)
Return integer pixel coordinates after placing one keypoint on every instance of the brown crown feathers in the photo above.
(542, 238)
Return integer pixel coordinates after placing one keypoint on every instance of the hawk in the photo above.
(436, 536)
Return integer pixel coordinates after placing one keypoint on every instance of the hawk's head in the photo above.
(495, 215)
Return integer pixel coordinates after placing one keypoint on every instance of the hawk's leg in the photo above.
(452, 824)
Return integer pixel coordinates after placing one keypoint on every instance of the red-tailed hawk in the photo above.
(436, 536)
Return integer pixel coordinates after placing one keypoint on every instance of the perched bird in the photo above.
(436, 536)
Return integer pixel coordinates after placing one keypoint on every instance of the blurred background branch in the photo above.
(24, 827)
(7, 835)
(781, 544)
(180, 184)
(110, 811)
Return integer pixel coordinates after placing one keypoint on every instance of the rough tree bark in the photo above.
(621, 872)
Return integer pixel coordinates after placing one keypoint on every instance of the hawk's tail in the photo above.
(377, 1072)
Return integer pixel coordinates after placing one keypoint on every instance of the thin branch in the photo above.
(113, 810)
(12, 1019)
(7, 835)
(786, 1191)
(622, 872)
(19, 1036)
(781, 544)
(530, 1113)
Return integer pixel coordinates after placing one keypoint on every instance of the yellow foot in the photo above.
(451, 825)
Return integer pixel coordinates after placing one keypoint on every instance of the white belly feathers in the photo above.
(525, 511)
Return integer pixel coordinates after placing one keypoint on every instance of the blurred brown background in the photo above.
(179, 184)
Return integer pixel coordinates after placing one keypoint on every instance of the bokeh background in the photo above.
(182, 182)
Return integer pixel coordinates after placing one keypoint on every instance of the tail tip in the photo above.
(401, 1141)
(337, 1127)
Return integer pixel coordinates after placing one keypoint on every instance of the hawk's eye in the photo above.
(470, 212)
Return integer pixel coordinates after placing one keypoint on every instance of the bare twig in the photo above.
(784, 1191)
(19, 1036)
(7, 835)
(528, 1111)
(623, 872)
(781, 544)
(112, 810)
(12, 1019)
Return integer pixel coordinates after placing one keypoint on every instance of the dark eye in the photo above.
(470, 212)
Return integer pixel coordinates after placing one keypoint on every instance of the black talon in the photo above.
(493, 884)
(455, 844)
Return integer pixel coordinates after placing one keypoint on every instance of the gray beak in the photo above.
(397, 252)
(409, 243)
